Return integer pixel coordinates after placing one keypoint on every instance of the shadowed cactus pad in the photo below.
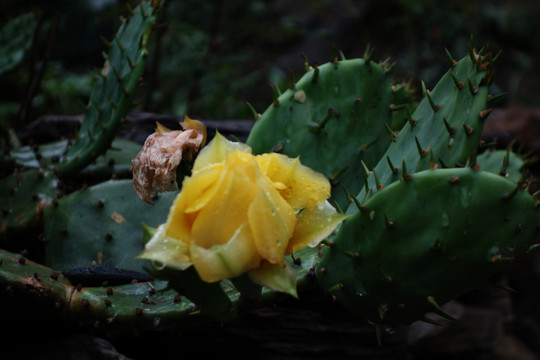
(24, 195)
(445, 128)
(100, 225)
(425, 240)
(503, 162)
(119, 310)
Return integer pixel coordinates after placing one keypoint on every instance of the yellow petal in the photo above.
(166, 250)
(223, 214)
(271, 220)
(314, 224)
(276, 277)
(217, 151)
(178, 224)
(160, 128)
(229, 260)
(201, 186)
(189, 123)
(195, 125)
(299, 185)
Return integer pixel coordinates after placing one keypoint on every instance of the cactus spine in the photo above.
(113, 91)
(446, 125)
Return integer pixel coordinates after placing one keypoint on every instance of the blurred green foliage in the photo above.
(211, 57)
(15, 40)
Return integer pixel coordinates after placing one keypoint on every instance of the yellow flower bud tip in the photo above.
(195, 125)
(217, 151)
(160, 128)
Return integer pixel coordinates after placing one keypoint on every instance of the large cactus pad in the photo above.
(426, 239)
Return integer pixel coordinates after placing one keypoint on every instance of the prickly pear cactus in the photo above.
(116, 310)
(115, 162)
(128, 309)
(113, 91)
(26, 193)
(335, 117)
(445, 128)
(418, 235)
(384, 263)
(393, 262)
(35, 183)
(103, 222)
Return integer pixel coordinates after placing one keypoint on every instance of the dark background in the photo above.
(208, 58)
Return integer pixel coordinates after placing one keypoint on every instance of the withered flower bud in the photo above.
(154, 168)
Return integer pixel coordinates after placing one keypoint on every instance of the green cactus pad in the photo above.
(445, 128)
(24, 195)
(427, 240)
(100, 226)
(132, 308)
(113, 91)
(34, 157)
(333, 118)
(116, 162)
(117, 310)
(502, 162)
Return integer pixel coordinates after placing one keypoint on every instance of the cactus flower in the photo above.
(239, 213)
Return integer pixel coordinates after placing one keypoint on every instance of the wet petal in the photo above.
(276, 277)
(178, 224)
(299, 185)
(313, 225)
(229, 260)
(217, 151)
(161, 129)
(223, 214)
(167, 250)
(272, 221)
(201, 186)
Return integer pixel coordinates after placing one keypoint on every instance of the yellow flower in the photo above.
(241, 213)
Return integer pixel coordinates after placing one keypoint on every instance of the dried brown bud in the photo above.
(154, 168)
